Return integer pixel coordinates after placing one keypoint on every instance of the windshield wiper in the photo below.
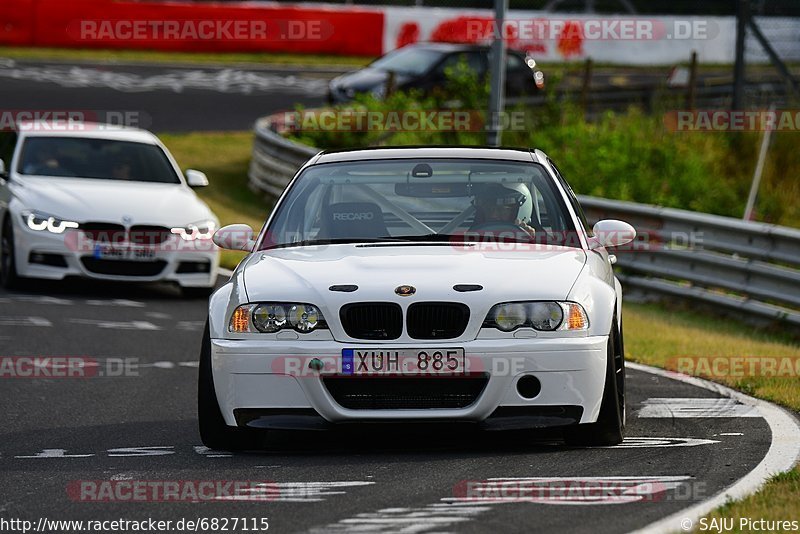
(463, 238)
(336, 241)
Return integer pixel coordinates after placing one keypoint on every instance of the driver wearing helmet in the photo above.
(506, 204)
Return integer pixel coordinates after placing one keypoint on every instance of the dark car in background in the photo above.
(424, 67)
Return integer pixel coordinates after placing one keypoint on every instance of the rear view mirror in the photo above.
(235, 237)
(613, 233)
(196, 178)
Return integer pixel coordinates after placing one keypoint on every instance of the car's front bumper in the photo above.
(56, 256)
(254, 374)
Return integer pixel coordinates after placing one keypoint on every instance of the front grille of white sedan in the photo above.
(379, 321)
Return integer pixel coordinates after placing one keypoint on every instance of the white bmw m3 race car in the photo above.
(419, 284)
(104, 202)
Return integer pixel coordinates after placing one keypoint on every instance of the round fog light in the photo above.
(528, 386)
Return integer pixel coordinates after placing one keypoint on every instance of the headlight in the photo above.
(198, 230)
(304, 317)
(271, 317)
(544, 316)
(40, 222)
(509, 316)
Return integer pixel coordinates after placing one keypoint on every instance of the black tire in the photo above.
(9, 278)
(214, 432)
(197, 292)
(610, 426)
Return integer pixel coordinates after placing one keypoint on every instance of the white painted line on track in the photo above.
(36, 299)
(655, 442)
(11, 320)
(190, 325)
(158, 315)
(294, 491)
(117, 325)
(684, 408)
(783, 453)
(211, 453)
(116, 302)
(55, 453)
(420, 519)
(598, 490)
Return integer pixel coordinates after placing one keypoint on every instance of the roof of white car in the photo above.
(454, 152)
(92, 130)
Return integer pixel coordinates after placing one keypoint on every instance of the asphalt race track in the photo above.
(163, 98)
(182, 98)
(59, 433)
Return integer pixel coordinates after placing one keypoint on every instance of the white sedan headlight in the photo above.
(198, 230)
(41, 222)
(544, 316)
(271, 317)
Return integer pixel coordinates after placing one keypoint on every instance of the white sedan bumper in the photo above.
(41, 254)
(253, 374)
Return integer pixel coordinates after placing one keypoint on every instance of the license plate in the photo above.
(403, 362)
(111, 252)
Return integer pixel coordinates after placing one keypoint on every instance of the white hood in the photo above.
(304, 274)
(83, 200)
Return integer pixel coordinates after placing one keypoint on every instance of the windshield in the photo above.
(409, 60)
(96, 158)
(421, 200)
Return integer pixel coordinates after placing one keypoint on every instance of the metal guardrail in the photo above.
(746, 267)
(275, 159)
(749, 268)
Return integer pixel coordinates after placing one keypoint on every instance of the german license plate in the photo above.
(111, 252)
(403, 362)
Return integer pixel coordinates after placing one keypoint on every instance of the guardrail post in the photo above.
(692, 81)
(586, 87)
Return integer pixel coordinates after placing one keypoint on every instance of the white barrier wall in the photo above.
(620, 39)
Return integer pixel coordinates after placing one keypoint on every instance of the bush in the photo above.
(627, 156)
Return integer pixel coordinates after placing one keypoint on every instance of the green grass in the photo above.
(151, 56)
(653, 335)
(656, 336)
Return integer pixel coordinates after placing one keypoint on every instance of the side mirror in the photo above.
(3, 173)
(235, 237)
(196, 178)
(612, 233)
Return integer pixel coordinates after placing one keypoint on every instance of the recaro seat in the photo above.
(352, 220)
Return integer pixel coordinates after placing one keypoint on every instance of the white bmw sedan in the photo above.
(419, 284)
(101, 202)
